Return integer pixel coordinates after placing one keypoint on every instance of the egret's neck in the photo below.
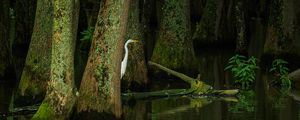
(126, 52)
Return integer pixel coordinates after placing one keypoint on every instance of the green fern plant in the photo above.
(86, 37)
(280, 70)
(243, 70)
(87, 34)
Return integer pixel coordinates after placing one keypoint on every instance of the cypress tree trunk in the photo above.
(149, 20)
(36, 70)
(174, 48)
(276, 40)
(207, 26)
(241, 42)
(136, 71)
(292, 23)
(60, 96)
(100, 86)
(5, 63)
(213, 22)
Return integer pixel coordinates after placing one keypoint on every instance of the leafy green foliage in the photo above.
(87, 34)
(243, 69)
(281, 71)
(86, 38)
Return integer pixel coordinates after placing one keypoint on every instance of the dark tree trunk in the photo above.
(149, 19)
(60, 97)
(174, 47)
(206, 28)
(277, 40)
(24, 21)
(5, 48)
(136, 72)
(214, 23)
(256, 18)
(36, 72)
(241, 42)
(291, 24)
(100, 86)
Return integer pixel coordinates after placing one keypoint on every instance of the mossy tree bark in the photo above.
(36, 70)
(136, 72)
(24, 21)
(5, 62)
(278, 36)
(174, 47)
(290, 25)
(241, 42)
(100, 86)
(60, 96)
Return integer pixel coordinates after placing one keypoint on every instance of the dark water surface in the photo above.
(270, 107)
(264, 102)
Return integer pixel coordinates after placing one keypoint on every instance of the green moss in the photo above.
(44, 112)
(106, 42)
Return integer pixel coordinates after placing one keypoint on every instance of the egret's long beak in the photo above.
(135, 41)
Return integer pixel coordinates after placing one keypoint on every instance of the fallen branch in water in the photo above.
(197, 88)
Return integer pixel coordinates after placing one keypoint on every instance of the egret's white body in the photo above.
(125, 59)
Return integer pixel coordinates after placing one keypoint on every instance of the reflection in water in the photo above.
(211, 67)
(5, 97)
(246, 102)
(262, 103)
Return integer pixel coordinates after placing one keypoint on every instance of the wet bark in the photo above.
(60, 97)
(5, 48)
(36, 70)
(174, 47)
(136, 72)
(100, 86)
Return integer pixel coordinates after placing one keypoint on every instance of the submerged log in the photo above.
(197, 88)
(295, 75)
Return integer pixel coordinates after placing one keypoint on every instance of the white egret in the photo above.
(125, 59)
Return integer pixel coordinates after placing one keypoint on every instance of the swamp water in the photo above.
(261, 103)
